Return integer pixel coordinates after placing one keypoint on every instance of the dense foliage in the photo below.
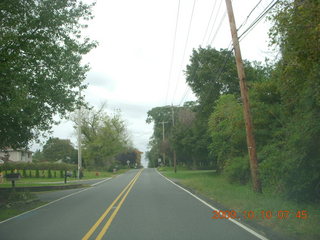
(105, 140)
(41, 48)
(56, 149)
(285, 102)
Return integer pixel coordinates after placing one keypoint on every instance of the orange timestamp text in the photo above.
(281, 214)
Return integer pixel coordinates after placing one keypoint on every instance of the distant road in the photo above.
(137, 205)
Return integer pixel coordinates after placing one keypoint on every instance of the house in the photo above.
(16, 155)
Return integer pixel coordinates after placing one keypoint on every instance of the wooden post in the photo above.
(245, 99)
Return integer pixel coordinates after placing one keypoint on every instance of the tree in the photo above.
(212, 73)
(296, 33)
(226, 127)
(57, 149)
(104, 137)
(41, 48)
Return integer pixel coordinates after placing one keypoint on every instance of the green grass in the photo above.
(6, 213)
(14, 203)
(241, 198)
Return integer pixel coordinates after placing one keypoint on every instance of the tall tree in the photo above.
(41, 48)
(57, 149)
(104, 137)
(296, 32)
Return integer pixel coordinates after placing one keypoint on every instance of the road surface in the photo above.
(137, 205)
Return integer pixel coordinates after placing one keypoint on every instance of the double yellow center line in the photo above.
(125, 193)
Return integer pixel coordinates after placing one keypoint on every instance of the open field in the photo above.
(240, 198)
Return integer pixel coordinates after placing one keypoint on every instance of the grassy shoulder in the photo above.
(15, 203)
(242, 199)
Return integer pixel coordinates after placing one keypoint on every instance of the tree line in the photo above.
(105, 143)
(285, 105)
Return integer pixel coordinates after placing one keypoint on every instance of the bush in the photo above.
(24, 173)
(237, 170)
(49, 174)
(37, 173)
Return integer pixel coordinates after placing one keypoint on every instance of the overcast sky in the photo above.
(130, 68)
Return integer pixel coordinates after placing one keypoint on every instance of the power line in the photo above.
(173, 48)
(245, 21)
(258, 19)
(214, 22)
(205, 34)
(219, 26)
(185, 47)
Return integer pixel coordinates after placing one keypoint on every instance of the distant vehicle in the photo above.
(1, 161)
(69, 174)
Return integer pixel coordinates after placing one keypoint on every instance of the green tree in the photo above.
(37, 156)
(296, 32)
(59, 149)
(104, 137)
(226, 126)
(41, 48)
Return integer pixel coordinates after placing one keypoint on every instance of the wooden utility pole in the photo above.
(163, 154)
(245, 99)
(79, 138)
(174, 151)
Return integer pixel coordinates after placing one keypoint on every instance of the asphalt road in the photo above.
(135, 205)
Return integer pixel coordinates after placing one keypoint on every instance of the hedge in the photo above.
(37, 166)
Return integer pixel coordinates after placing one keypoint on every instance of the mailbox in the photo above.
(13, 176)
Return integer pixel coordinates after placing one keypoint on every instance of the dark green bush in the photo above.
(237, 170)
(49, 173)
(24, 173)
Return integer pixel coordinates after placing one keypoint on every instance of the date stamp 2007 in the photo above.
(281, 214)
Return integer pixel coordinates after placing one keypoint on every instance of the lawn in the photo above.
(242, 199)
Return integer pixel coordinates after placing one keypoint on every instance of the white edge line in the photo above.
(100, 182)
(213, 208)
(9, 219)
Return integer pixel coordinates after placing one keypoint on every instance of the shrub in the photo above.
(49, 173)
(24, 173)
(237, 170)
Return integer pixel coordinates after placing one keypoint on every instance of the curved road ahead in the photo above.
(137, 205)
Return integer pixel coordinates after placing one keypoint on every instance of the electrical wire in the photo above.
(173, 50)
(212, 11)
(258, 19)
(219, 26)
(214, 22)
(185, 47)
(245, 21)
